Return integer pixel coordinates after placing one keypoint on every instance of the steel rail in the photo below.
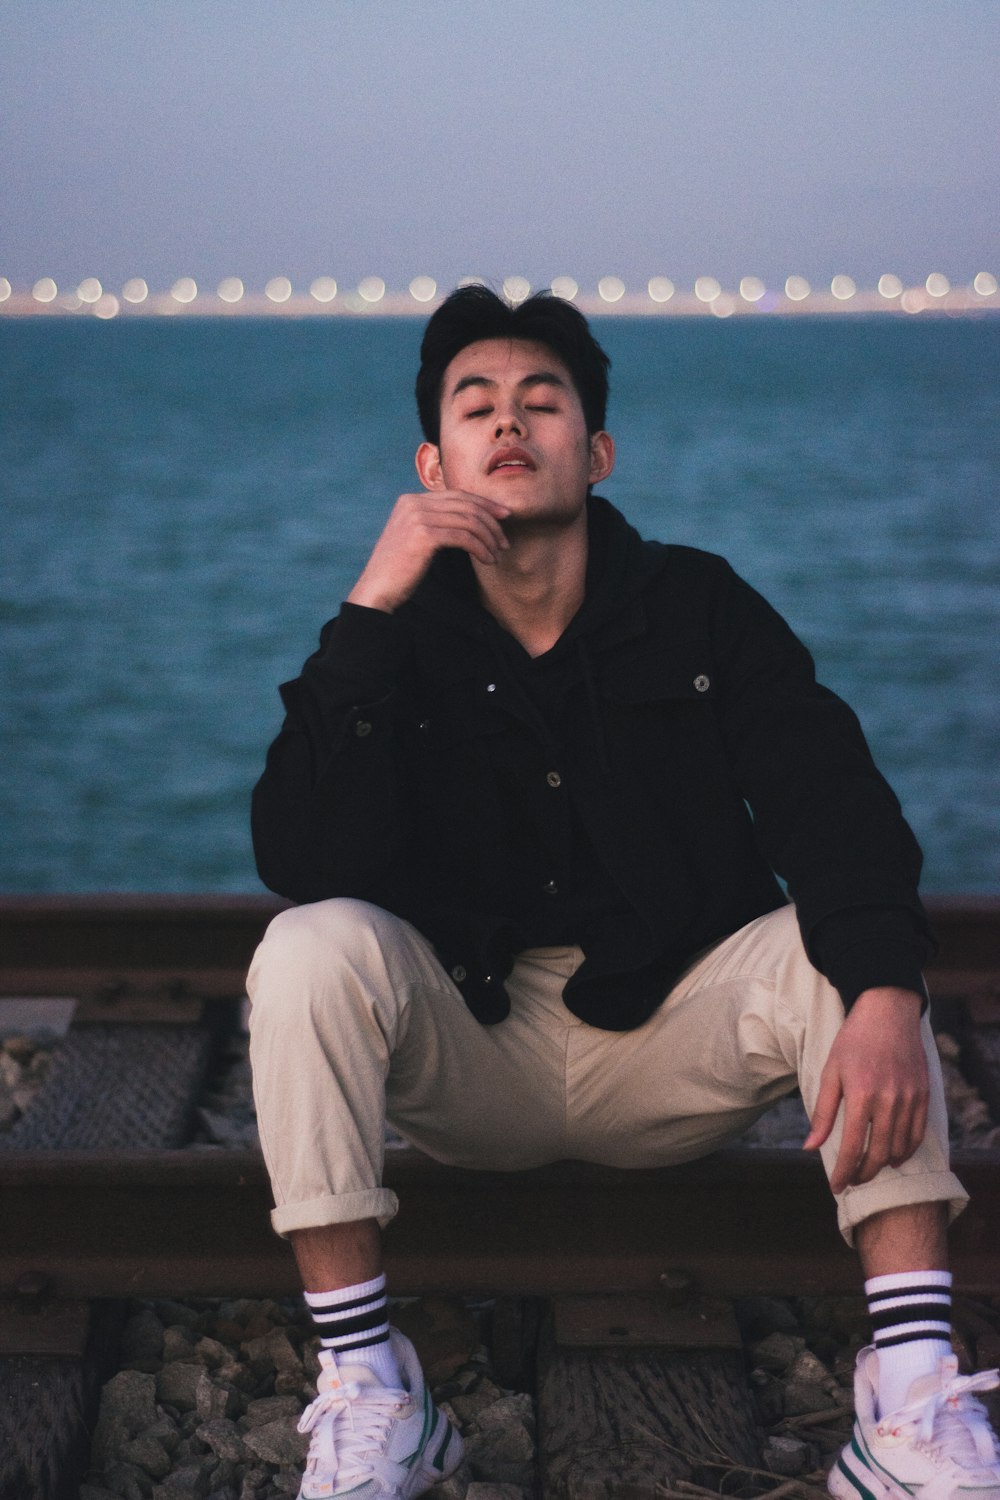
(202, 945)
(195, 1223)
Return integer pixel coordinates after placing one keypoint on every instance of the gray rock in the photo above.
(177, 1385)
(287, 1481)
(505, 1454)
(786, 1455)
(142, 1342)
(509, 1411)
(191, 1482)
(276, 1348)
(223, 1439)
(488, 1490)
(806, 1367)
(270, 1409)
(456, 1486)
(211, 1353)
(777, 1352)
(96, 1492)
(147, 1454)
(128, 1407)
(254, 1482)
(179, 1343)
(802, 1397)
(128, 1482)
(215, 1398)
(277, 1442)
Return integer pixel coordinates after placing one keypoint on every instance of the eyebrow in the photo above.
(542, 377)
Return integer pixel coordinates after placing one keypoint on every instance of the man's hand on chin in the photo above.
(878, 1067)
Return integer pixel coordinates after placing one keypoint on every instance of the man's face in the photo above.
(513, 429)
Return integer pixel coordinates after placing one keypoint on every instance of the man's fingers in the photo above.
(824, 1111)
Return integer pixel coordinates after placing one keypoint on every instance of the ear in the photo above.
(602, 456)
(428, 462)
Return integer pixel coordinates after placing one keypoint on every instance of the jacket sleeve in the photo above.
(827, 821)
(326, 814)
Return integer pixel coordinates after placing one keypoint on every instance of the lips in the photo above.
(510, 458)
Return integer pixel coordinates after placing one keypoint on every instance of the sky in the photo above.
(209, 138)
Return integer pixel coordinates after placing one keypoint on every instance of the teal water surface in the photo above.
(184, 503)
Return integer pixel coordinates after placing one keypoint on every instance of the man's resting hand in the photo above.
(877, 1066)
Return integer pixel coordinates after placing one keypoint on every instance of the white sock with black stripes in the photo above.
(354, 1322)
(911, 1319)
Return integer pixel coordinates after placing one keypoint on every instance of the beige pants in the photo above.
(354, 1021)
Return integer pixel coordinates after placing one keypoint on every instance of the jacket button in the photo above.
(361, 728)
(491, 687)
(701, 683)
(550, 888)
(458, 973)
(554, 779)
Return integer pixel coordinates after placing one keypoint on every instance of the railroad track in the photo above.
(104, 1197)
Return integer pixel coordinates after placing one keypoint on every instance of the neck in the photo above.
(538, 585)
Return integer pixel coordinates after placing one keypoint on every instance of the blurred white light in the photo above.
(89, 290)
(723, 306)
(660, 288)
(278, 289)
(985, 284)
(106, 306)
(797, 288)
(45, 290)
(184, 290)
(324, 289)
(752, 289)
(564, 287)
(937, 285)
(230, 289)
(890, 286)
(913, 300)
(371, 289)
(5, 289)
(516, 288)
(843, 288)
(423, 288)
(611, 288)
(706, 289)
(135, 290)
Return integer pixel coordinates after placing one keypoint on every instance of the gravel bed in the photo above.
(208, 1396)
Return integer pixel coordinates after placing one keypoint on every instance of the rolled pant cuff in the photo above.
(336, 1208)
(895, 1190)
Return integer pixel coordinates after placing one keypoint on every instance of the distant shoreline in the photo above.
(958, 302)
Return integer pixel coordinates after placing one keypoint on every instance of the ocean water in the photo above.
(182, 504)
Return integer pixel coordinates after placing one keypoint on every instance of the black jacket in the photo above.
(696, 749)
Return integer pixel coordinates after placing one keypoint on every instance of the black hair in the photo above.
(475, 312)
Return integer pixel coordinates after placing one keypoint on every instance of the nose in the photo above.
(509, 421)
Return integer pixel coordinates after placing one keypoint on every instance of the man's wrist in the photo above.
(889, 997)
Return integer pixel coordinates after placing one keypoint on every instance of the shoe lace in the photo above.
(951, 1418)
(350, 1444)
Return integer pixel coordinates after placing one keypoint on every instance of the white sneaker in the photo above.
(938, 1446)
(375, 1440)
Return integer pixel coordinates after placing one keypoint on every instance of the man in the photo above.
(531, 791)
